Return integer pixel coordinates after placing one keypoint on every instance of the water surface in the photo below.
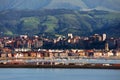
(58, 74)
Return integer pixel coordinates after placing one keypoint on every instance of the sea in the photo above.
(58, 74)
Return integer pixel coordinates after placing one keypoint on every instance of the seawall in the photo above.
(59, 66)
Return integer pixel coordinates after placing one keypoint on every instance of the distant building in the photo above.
(96, 37)
(106, 46)
(22, 49)
(23, 36)
(70, 35)
(118, 44)
(104, 37)
(59, 38)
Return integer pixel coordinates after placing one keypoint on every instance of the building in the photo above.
(70, 35)
(98, 53)
(106, 46)
(104, 37)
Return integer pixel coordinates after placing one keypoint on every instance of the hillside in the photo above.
(112, 30)
(58, 21)
(109, 5)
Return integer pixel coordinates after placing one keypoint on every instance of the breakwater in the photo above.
(70, 65)
(61, 63)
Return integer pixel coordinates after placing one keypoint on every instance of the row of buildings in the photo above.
(60, 47)
(70, 42)
(55, 54)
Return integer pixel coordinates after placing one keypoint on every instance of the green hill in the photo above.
(58, 21)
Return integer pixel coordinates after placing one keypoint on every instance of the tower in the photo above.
(106, 46)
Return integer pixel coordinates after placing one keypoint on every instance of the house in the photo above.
(26, 54)
(118, 53)
(51, 55)
(10, 55)
(81, 52)
(109, 53)
(56, 54)
(18, 55)
(46, 54)
(98, 53)
(39, 55)
(33, 54)
(3, 55)
(63, 55)
(89, 53)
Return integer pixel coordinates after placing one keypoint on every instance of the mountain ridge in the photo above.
(60, 4)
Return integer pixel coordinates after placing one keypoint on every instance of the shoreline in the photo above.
(60, 66)
(27, 58)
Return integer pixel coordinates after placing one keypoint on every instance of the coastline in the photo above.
(96, 66)
(83, 63)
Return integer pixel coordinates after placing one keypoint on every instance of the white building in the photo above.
(104, 37)
(70, 35)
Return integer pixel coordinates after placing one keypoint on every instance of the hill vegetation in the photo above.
(59, 21)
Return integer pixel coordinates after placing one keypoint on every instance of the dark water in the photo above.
(58, 74)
